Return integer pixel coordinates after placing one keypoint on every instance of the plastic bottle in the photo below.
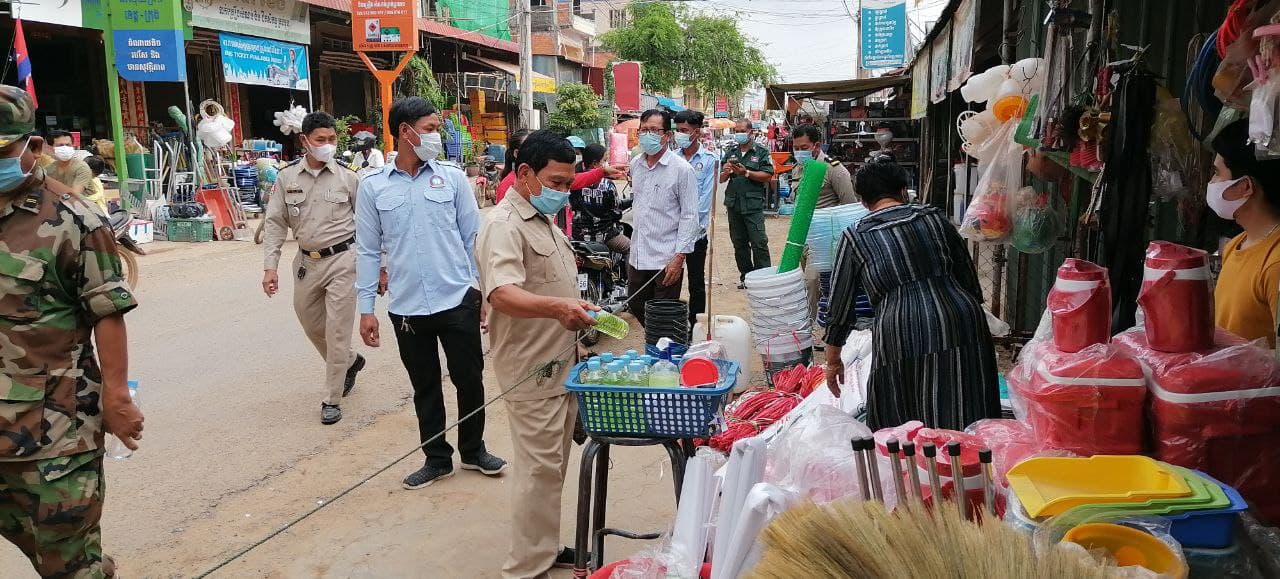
(115, 448)
(632, 354)
(664, 373)
(611, 325)
(592, 373)
(606, 359)
(616, 375)
(637, 374)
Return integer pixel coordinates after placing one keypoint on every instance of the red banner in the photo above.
(626, 85)
(722, 107)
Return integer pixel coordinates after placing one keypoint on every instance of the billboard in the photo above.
(383, 25)
(251, 60)
(287, 20)
(626, 86)
(884, 34)
(147, 37)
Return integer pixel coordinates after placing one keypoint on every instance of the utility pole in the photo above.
(528, 116)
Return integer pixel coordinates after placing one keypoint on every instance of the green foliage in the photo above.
(682, 48)
(343, 127)
(578, 107)
(418, 80)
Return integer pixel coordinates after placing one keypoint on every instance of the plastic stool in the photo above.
(593, 490)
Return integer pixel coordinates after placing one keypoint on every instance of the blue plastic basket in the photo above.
(652, 412)
(1209, 529)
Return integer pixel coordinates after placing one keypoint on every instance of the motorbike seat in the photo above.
(592, 247)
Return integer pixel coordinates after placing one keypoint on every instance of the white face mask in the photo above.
(64, 153)
(577, 160)
(1218, 203)
(430, 147)
(323, 153)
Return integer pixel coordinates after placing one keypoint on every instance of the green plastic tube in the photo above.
(806, 200)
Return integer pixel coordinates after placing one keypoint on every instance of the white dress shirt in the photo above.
(665, 210)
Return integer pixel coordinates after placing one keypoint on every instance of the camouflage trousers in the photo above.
(50, 509)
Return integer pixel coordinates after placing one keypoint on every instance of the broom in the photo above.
(861, 539)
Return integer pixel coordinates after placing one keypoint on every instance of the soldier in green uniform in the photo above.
(747, 168)
(60, 283)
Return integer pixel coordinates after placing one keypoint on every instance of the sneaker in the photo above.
(330, 413)
(486, 463)
(742, 285)
(426, 476)
(568, 558)
(355, 368)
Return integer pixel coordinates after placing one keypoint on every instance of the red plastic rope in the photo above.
(1232, 26)
(758, 411)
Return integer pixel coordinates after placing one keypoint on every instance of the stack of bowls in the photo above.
(780, 317)
(825, 231)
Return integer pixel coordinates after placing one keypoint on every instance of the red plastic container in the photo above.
(1087, 402)
(1010, 442)
(904, 433)
(969, 447)
(1217, 411)
(1080, 303)
(1176, 298)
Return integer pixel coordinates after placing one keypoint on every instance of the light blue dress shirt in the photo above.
(706, 165)
(427, 224)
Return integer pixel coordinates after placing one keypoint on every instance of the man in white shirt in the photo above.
(665, 211)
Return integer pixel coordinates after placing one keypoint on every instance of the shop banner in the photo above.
(722, 107)
(626, 86)
(884, 34)
(920, 84)
(147, 37)
(962, 45)
(250, 60)
(287, 20)
(939, 65)
(382, 25)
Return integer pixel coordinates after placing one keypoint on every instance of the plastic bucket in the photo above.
(1080, 303)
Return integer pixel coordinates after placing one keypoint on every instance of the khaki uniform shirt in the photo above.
(59, 275)
(76, 174)
(837, 185)
(741, 193)
(520, 246)
(318, 205)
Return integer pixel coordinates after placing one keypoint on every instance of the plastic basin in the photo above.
(1048, 486)
(1130, 547)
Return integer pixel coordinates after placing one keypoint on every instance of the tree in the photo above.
(577, 107)
(678, 47)
(418, 80)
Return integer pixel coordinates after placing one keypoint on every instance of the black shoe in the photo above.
(426, 476)
(355, 368)
(568, 558)
(486, 463)
(742, 285)
(330, 413)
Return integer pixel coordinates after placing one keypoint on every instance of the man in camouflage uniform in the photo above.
(60, 283)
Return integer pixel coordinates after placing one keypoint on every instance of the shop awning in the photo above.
(832, 90)
(433, 28)
(541, 82)
(670, 103)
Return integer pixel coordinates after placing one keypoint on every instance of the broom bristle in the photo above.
(861, 539)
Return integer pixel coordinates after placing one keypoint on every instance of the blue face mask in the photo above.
(650, 143)
(683, 141)
(741, 138)
(11, 174)
(802, 156)
(549, 201)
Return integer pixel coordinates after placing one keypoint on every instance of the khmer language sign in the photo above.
(884, 33)
(286, 20)
(249, 60)
(147, 38)
(383, 25)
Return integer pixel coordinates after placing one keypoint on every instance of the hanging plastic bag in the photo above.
(1035, 223)
(1262, 118)
(989, 217)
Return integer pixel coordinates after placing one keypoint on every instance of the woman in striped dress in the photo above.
(933, 358)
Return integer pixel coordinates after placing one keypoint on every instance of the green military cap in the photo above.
(17, 114)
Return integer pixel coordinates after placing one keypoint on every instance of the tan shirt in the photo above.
(76, 175)
(319, 206)
(837, 185)
(519, 246)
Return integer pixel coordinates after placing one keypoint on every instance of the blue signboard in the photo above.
(884, 33)
(150, 55)
(251, 60)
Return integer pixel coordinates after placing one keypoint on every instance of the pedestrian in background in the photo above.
(664, 206)
(315, 197)
(423, 213)
(528, 274)
(61, 283)
(706, 166)
(66, 168)
(580, 181)
(95, 193)
(747, 169)
(837, 189)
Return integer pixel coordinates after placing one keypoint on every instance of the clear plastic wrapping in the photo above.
(989, 217)
(813, 457)
(1035, 221)
(1052, 532)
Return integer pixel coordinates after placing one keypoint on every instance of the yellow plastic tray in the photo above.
(1048, 486)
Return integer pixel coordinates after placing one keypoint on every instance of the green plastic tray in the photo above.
(1205, 495)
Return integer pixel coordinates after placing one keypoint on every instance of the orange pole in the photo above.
(385, 79)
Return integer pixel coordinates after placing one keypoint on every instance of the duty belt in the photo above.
(332, 250)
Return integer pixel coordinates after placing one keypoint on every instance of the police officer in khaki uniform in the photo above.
(747, 169)
(837, 189)
(315, 196)
(529, 278)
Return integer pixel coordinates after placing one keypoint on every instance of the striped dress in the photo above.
(933, 357)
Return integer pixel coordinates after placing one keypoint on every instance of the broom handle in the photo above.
(873, 468)
(935, 484)
(957, 479)
(913, 471)
(896, 462)
(861, 467)
(988, 491)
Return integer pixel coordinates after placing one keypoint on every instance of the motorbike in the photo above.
(126, 247)
(602, 278)
(489, 167)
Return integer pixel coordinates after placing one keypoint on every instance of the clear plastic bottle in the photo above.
(637, 374)
(592, 373)
(616, 374)
(632, 354)
(664, 373)
(647, 359)
(115, 448)
(611, 325)
(606, 359)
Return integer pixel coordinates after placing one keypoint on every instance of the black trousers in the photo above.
(696, 264)
(641, 294)
(419, 339)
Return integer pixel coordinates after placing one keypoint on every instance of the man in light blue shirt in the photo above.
(423, 213)
(706, 166)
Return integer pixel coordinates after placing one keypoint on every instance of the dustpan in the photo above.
(1048, 486)
(1204, 495)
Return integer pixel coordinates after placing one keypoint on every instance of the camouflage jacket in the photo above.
(59, 275)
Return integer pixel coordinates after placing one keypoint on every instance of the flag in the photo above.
(23, 60)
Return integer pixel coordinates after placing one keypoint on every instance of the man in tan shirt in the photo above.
(837, 189)
(529, 278)
(66, 168)
(315, 196)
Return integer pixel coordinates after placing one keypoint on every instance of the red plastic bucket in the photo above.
(1088, 402)
(1080, 303)
(1176, 298)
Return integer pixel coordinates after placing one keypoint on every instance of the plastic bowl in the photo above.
(1130, 547)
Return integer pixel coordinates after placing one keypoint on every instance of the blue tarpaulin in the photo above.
(669, 103)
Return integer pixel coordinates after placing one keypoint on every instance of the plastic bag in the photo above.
(1262, 117)
(1010, 442)
(989, 217)
(660, 561)
(856, 355)
(1172, 148)
(1035, 223)
(1052, 532)
(812, 455)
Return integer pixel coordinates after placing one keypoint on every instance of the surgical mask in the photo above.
(430, 146)
(549, 201)
(802, 156)
(884, 138)
(651, 144)
(683, 141)
(741, 138)
(11, 174)
(1214, 195)
(324, 153)
(64, 153)
(577, 160)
